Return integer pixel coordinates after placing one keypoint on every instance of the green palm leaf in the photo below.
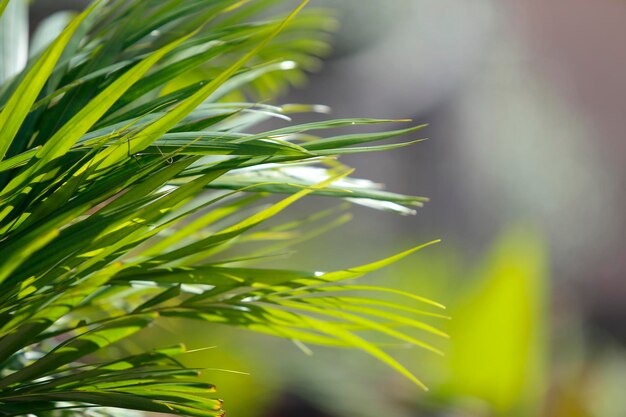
(131, 160)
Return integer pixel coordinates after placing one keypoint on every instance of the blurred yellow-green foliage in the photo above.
(498, 328)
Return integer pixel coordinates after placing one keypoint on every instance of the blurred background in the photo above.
(526, 170)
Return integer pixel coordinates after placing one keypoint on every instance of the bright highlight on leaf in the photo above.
(136, 182)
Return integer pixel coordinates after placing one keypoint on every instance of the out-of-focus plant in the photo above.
(498, 356)
(127, 170)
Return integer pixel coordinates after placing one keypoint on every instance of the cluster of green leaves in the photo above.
(130, 161)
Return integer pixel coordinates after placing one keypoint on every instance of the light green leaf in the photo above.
(18, 106)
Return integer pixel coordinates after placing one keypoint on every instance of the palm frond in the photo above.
(131, 158)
